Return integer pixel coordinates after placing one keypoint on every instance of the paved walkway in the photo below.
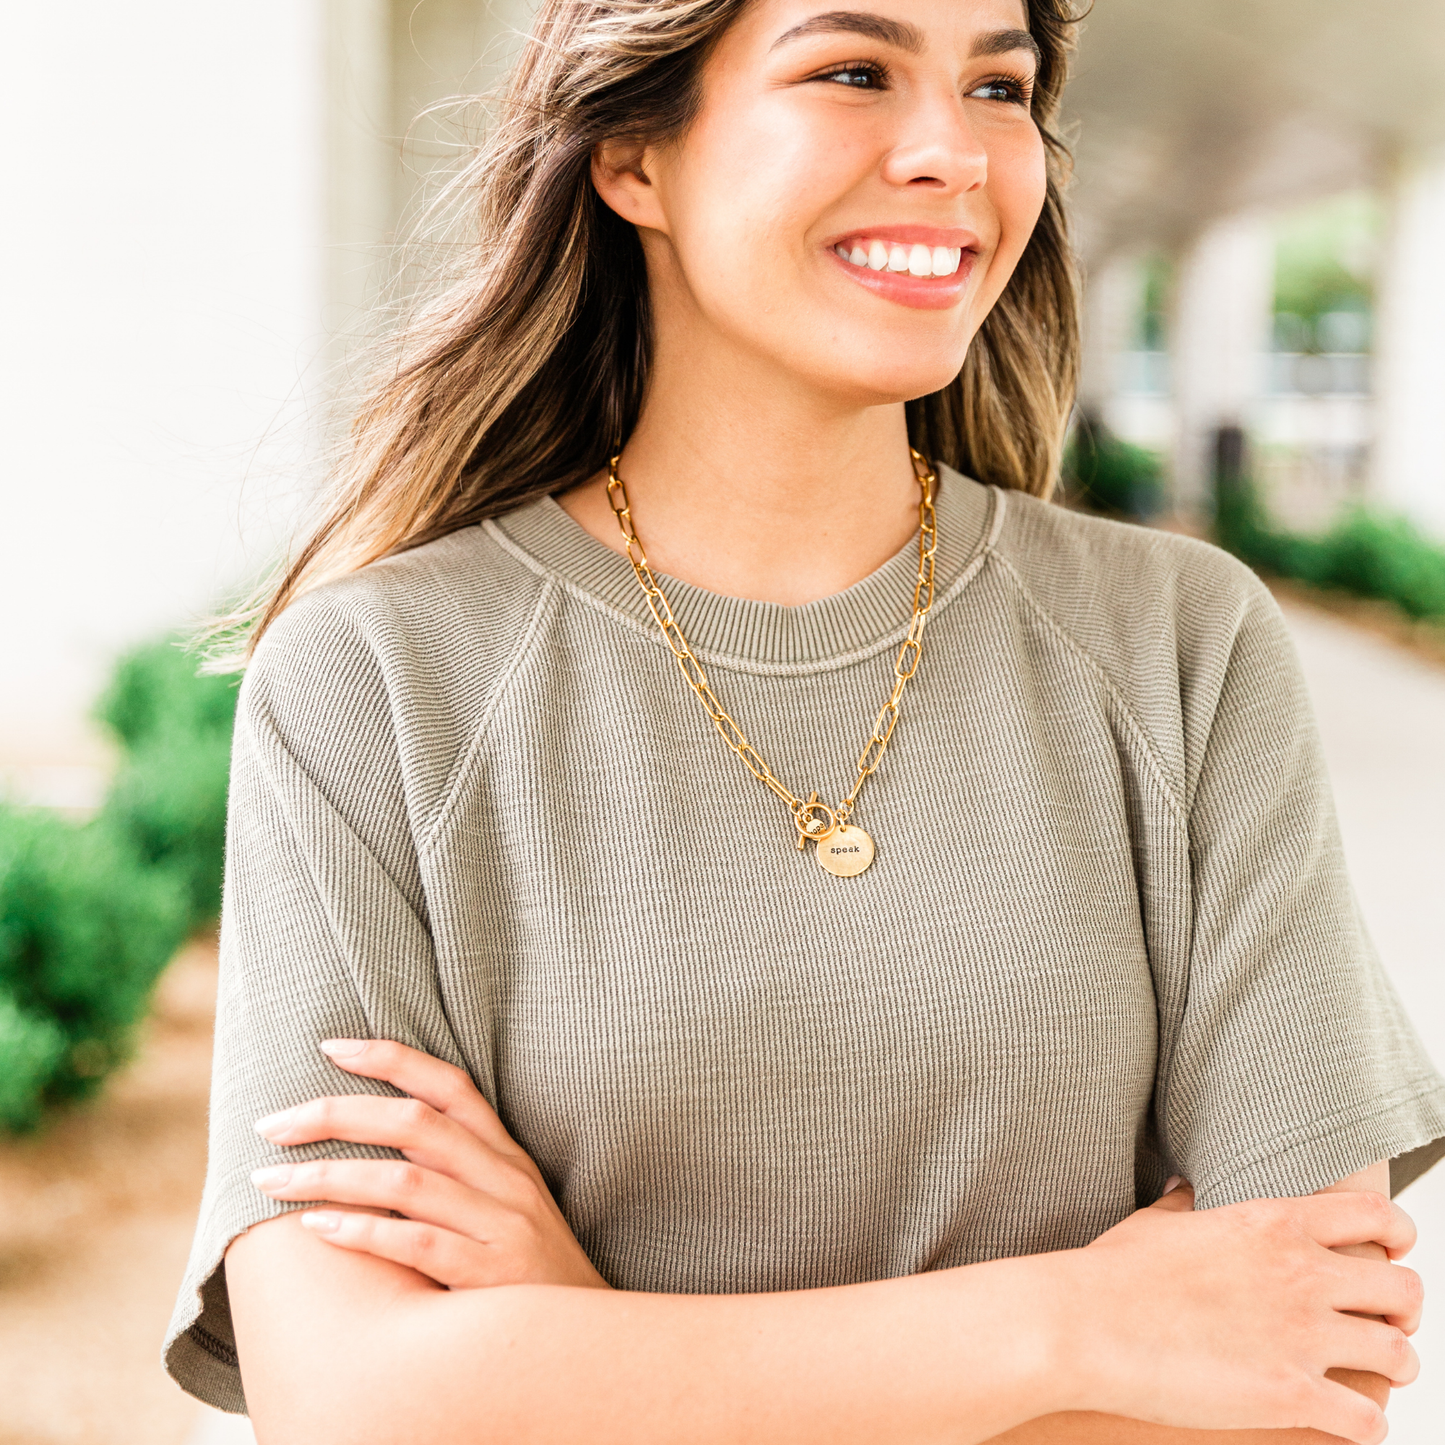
(1382, 714)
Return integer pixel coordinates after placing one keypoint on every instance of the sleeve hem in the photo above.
(1317, 1155)
(202, 1360)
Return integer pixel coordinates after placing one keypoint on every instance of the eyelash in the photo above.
(1020, 87)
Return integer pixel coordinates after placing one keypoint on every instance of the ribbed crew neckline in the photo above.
(739, 629)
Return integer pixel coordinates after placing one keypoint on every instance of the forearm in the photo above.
(1078, 1428)
(953, 1356)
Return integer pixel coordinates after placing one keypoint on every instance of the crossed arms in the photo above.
(477, 1316)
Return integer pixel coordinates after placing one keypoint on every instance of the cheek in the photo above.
(748, 191)
(1018, 184)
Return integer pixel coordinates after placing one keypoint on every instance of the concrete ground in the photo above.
(1382, 715)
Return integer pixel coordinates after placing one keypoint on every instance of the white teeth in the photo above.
(916, 260)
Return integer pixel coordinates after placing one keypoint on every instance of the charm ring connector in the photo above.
(814, 821)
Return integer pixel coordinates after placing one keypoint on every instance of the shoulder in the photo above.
(1163, 617)
(399, 660)
(1101, 572)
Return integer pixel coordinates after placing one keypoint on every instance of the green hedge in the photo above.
(91, 913)
(1109, 475)
(1364, 553)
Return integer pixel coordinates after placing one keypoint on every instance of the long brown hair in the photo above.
(521, 371)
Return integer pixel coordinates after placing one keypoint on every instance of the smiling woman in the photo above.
(558, 1095)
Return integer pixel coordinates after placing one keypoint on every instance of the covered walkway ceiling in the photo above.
(1189, 110)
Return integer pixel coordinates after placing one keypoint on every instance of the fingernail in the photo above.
(321, 1220)
(274, 1123)
(342, 1048)
(1172, 1183)
(276, 1177)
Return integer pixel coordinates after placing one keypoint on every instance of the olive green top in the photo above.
(1107, 937)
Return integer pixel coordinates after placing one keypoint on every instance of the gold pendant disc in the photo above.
(845, 852)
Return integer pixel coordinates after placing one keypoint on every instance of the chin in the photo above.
(884, 381)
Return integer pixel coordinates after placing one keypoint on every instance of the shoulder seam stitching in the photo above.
(1145, 742)
(427, 841)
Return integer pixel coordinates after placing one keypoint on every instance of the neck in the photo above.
(744, 483)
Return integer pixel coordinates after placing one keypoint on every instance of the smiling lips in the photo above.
(899, 257)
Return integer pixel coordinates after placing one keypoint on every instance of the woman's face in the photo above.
(854, 194)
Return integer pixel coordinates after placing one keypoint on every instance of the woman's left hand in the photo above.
(477, 1211)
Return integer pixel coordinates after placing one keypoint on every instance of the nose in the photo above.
(937, 149)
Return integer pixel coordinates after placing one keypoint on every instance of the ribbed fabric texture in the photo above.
(1108, 935)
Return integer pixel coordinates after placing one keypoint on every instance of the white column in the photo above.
(1408, 462)
(363, 165)
(1223, 308)
(1113, 298)
(165, 250)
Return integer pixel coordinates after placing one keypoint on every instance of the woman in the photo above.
(782, 1151)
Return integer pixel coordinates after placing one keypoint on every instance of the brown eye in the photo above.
(857, 77)
(1001, 90)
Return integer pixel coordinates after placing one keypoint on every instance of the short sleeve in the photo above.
(1294, 1065)
(323, 935)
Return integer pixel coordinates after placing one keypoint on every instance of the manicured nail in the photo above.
(321, 1220)
(342, 1048)
(274, 1123)
(276, 1177)
(1172, 1183)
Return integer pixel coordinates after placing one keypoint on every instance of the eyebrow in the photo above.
(1001, 42)
(857, 22)
(902, 35)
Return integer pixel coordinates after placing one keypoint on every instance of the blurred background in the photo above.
(207, 203)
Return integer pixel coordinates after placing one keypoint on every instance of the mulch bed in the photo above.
(96, 1213)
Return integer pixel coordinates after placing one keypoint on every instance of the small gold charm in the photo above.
(814, 821)
(845, 852)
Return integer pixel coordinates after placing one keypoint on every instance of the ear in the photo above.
(621, 174)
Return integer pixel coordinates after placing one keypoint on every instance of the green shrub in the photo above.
(1364, 554)
(85, 929)
(90, 914)
(32, 1047)
(169, 795)
(1109, 475)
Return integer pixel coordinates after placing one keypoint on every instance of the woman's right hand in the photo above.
(1229, 1318)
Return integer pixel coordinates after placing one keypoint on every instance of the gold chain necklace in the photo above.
(843, 849)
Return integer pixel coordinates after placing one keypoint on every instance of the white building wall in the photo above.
(1113, 303)
(1409, 453)
(1219, 338)
(165, 267)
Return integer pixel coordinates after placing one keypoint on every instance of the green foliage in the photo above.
(1155, 302)
(1364, 554)
(33, 1048)
(169, 797)
(91, 913)
(84, 931)
(1109, 475)
(1324, 263)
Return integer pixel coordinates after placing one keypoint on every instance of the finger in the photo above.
(1179, 1200)
(1358, 1218)
(388, 1184)
(448, 1089)
(1393, 1292)
(1379, 1348)
(439, 1254)
(1338, 1410)
(416, 1129)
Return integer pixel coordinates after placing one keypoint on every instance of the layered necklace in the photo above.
(842, 847)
